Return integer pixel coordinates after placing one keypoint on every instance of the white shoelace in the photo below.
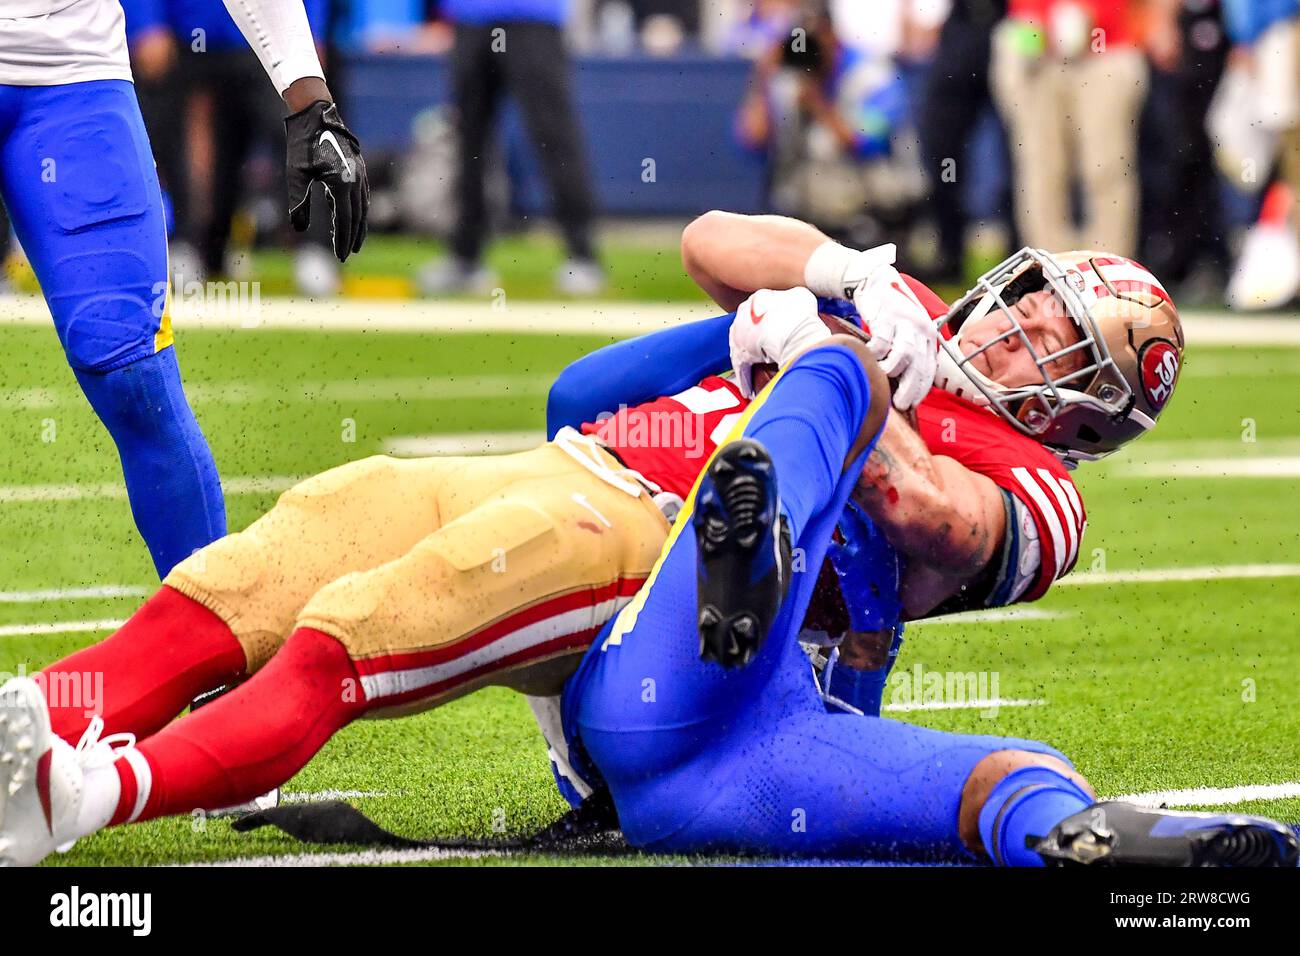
(92, 751)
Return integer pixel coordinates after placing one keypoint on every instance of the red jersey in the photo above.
(1116, 19)
(981, 441)
(669, 439)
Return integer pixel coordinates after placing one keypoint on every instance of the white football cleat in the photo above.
(42, 777)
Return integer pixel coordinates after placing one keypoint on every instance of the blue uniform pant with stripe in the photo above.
(701, 758)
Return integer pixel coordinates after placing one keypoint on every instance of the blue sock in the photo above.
(171, 478)
(1027, 802)
(864, 689)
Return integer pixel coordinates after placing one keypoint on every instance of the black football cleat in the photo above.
(1122, 834)
(743, 556)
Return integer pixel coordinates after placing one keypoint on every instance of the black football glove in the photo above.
(321, 149)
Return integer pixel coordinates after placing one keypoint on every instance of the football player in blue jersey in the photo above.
(78, 179)
(696, 709)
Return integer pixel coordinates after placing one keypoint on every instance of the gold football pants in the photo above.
(438, 575)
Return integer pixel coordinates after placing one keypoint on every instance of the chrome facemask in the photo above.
(1032, 408)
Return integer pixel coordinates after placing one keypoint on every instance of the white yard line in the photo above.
(1193, 797)
(1264, 466)
(306, 796)
(429, 388)
(1227, 572)
(71, 594)
(1214, 796)
(354, 858)
(600, 318)
(462, 443)
(995, 614)
(245, 485)
(993, 703)
(58, 627)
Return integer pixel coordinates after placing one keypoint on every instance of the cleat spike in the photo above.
(743, 553)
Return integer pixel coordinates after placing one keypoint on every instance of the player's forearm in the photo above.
(730, 256)
(280, 35)
(637, 370)
(931, 520)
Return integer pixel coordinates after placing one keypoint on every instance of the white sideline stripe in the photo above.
(1194, 797)
(990, 704)
(307, 796)
(430, 388)
(462, 443)
(994, 614)
(389, 315)
(1214, 796)
(1163, 575)
(355, 858)
(248, 485)
(1157, 448)
(600, 318)
(71, 594)
(59, 627)
(1281, 466)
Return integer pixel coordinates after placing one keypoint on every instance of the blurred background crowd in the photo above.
(1166, 130)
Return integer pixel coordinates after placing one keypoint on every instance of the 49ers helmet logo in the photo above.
(1159, 363)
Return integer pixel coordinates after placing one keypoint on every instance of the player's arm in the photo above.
(731, 256)
(636, 370)
(948, 521)
(320, 147)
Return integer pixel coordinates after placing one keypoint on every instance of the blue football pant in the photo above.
(78, 178)
(699, 758)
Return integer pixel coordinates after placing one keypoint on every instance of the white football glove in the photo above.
(904, 339)
(773, 326)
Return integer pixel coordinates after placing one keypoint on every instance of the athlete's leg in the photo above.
(224, 611)
(650, 704)
(511, 593)
(78, 179)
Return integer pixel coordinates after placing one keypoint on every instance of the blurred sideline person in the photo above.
(1183, 234)
(830, 123)
(206, 108)
(79, 182)
(956, 97)
(1255, 121)
(1069, 78)
(515, 47)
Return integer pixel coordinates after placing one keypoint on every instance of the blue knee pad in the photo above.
(171, 478)
(80, 185)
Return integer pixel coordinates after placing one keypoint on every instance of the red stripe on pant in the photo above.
(573, 642)
(539, 612)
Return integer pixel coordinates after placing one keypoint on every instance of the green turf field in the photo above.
(1148, 685)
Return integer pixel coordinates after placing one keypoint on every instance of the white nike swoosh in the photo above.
(328, 137)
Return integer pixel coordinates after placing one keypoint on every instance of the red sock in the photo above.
(146, 673)
(252, 739)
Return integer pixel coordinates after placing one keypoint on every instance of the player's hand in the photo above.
(904, 339)
(321, 149)
(772, 327)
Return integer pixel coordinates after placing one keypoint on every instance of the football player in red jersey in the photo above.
(1048, 361)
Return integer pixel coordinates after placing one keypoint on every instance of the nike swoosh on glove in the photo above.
(321, 149)
(904, 339)
(772, 326)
